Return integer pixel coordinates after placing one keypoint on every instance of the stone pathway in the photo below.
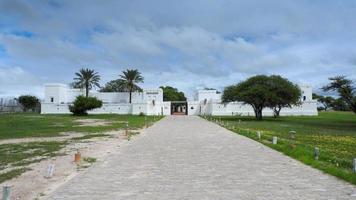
(184, 157)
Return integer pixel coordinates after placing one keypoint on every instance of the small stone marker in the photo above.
(259, 135)
(50, 170)
(355, 165)
(292, 134)
(316, 153)
(6, 192)
(274, 140)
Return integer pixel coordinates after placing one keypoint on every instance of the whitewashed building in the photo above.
(150, 102)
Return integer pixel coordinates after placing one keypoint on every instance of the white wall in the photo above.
(202, 95)
(150, 102)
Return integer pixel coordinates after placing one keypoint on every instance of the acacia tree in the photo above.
(326, 101)
(345, 88)
(255, 91)
(128, 81)
(285, 94)
(263, 91)
(87, 79)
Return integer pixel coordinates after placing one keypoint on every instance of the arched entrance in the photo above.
(179, 108)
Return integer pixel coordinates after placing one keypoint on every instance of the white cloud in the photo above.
(14, 81)
(185, 44)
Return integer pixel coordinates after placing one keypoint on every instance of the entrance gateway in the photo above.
(179, 108)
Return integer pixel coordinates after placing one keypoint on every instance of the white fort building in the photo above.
(150, 102)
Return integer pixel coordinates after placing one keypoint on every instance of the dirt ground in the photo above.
(93, 122)
(34, 184)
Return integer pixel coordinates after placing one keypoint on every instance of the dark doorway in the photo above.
(179, 108)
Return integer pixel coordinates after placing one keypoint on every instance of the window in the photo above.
(304, 98)
(52, 99)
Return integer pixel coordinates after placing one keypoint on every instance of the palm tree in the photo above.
(129, 79)
(86, 78)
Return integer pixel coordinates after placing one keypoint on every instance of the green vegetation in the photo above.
(172, 94)
(25, 153)
(28, 102)
(346, 90)
(12, 174)
(263, 91)
(22, 125)
(89, 160)
(126, 83)
(86, 79)
(14, 156)
(90, 136)
(334, 133)
(82, 104)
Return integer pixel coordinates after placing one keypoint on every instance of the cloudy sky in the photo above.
(186, 44)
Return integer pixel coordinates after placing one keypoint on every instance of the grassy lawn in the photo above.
(14, 158)
(35, 125)
(334, 133)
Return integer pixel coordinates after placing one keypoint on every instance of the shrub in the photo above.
(142, 114)
(28, 102)
(82, 104)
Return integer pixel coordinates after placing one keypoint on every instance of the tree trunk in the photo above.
(276, 111)
(258, 113)
(86, 90)
(130, 96)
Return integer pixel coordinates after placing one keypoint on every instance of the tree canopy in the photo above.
(263, 91)
(345, 88)
(172, 94)
(128, 81)
(285, 94)
(82, 104)
(87, 79)
(28, 102)
(112, 86)
(326, 101)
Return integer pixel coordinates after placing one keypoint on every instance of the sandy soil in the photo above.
(65, 136)
(35, 185)
(93, 122)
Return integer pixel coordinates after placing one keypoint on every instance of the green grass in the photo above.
(19, 155)
(12, 174)
(36, 125)
(334, 133)
(90, 136)
(24, 153)
(16, 156)
(89, 160)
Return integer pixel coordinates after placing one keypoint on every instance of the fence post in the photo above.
(50, 170)
(259, 135)
(145, 121)
(274, 140)
(316, 153)
(355, 165)
(6, 192)
(126, 128)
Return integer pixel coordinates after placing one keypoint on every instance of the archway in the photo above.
(179, 108)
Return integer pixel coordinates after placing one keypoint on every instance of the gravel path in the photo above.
(184, 157)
